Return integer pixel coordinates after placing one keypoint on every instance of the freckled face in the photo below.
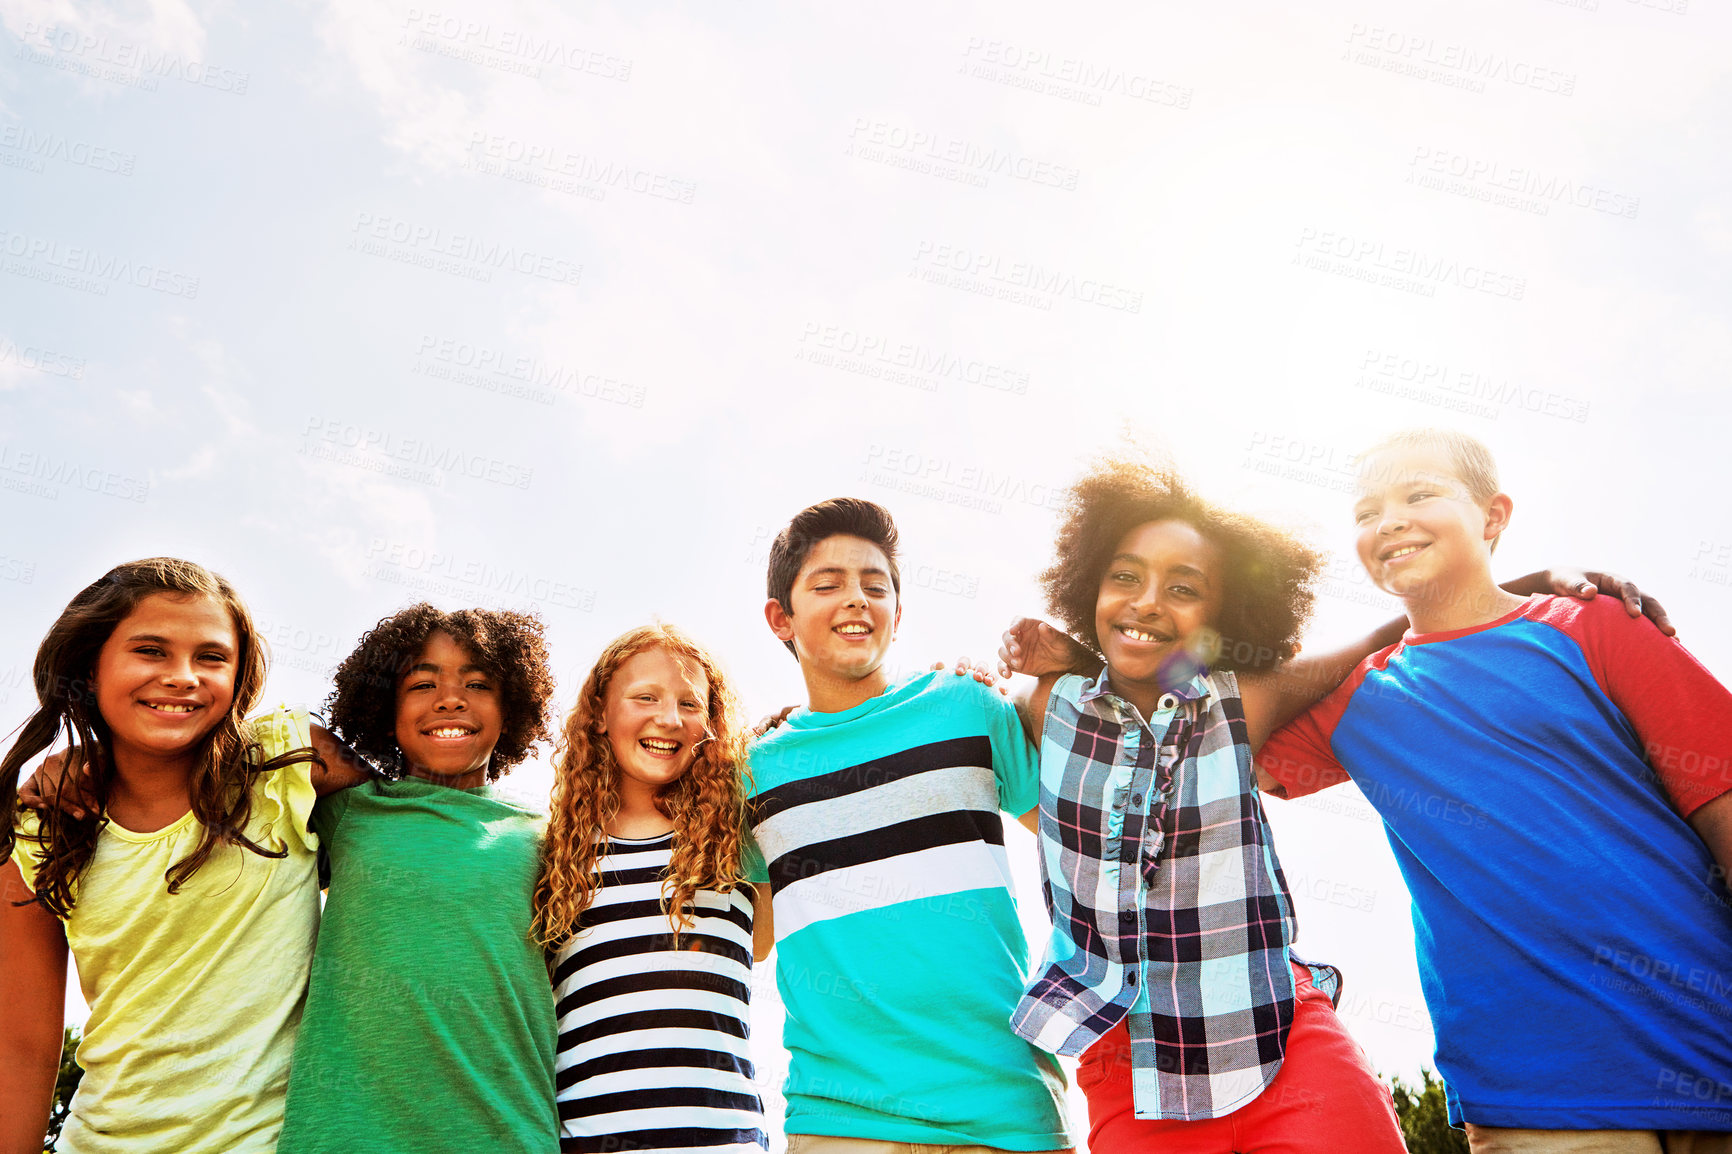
(655, 717)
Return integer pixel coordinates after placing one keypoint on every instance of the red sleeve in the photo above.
(1299, 755)
(1680, 711)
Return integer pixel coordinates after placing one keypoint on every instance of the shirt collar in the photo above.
(1096, 688)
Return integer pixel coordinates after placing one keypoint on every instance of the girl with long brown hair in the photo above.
(185, 887)
(642, 905)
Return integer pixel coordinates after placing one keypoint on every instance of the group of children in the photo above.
(1553, 772)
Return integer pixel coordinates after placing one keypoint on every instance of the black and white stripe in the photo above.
(653, 1040)
(907, 827)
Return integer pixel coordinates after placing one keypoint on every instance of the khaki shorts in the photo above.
(1499, 1140)
(829, 1144)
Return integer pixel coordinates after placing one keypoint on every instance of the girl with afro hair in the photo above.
(1170, 969)
(428, 1025)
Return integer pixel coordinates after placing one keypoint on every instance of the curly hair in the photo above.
(226, 761)
(1268, 575)
(363, 705)
(707, 803)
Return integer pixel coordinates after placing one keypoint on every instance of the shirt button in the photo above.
(1131, 978)
(1136, 799)
(1128, 917)
(1168, 701)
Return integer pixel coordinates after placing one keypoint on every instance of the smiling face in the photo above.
(844, 610)
(1161, 588)
(166, 676)
(1418, 531)
(654, 717)
(448, 714)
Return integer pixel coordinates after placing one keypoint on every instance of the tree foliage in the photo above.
(1424, 1117)
(64, 1084)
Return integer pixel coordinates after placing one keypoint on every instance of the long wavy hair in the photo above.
(707, 803)
(226, 763)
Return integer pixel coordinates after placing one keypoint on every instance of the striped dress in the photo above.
(654, 1050)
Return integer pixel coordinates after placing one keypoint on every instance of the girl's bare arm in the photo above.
(1273, 698)
(33, 958)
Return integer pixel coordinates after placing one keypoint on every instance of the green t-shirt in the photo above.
(899, 954)
(429, 1023)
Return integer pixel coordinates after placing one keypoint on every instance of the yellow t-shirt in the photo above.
(195, 996)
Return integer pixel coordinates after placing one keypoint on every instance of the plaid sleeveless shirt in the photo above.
(1168, 903)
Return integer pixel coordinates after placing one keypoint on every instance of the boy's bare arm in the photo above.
(763, 922)
(59, 783)
(1033, 647)
(1030, 705)
(1713, 824)
(338, 767)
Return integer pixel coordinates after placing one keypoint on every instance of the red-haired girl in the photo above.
(641, 901)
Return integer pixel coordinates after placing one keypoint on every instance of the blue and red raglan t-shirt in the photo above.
(1573, 933)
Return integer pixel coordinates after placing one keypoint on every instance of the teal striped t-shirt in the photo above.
(899, 953)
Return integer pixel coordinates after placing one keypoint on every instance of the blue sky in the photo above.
(508, 304)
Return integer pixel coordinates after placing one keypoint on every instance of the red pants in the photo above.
(1324, 1100)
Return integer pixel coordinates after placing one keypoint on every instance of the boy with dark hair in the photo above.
(876, 826)
(839, 516)
(1554, 778)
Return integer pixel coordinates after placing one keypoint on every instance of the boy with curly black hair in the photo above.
(363, 707)
(428, 1025)
(1170, 968)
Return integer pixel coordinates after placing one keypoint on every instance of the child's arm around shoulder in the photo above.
(290, 733)
(1680, 711)
(763, 921)
(1299, 757)
(33, 958)
(338, 766)
(1015, 762)
(1031, 703)
(1274, 696)
(1713, 824)
(1033, 647)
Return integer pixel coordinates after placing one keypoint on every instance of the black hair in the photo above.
(1268, 574)
(508, 645)
(839, 516)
